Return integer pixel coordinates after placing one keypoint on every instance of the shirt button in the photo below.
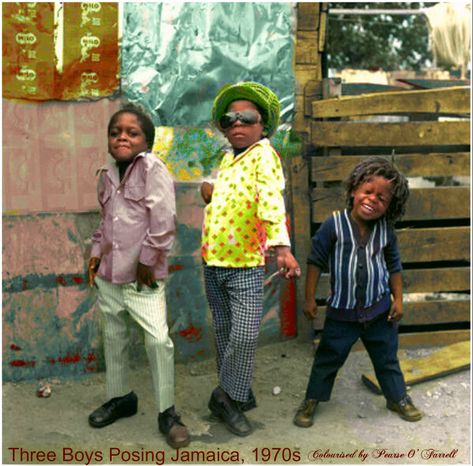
(115, 219)
(118, 192)
(360, 266)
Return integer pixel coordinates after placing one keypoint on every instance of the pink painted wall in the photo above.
(50, 154)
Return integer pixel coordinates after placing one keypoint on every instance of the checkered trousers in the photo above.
(235, 297)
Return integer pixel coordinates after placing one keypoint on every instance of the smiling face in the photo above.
(371, 199)
(126, 138)
(242, 135)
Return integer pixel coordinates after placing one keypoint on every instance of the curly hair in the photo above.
(379, 166)
(145, 121)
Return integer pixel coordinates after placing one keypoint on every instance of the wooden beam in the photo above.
(447, 360)
(420, 281)
(421, 313)
(338, 167)
(375, 11)
(422, 339)
(434, 244)
(355, 134)
(306, 50)
(308, 16)
(452, 100)
(298, 178)
(445, 202)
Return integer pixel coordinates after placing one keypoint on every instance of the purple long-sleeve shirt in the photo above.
(138, 219)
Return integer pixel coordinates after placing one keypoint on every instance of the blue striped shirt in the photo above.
(359, 271)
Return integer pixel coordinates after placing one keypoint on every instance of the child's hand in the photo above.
(144, 276)
(287, 263)
(206, 190)
(395, 313)
(310, 309)
(92, 268)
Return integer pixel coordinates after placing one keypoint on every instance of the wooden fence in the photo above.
(431, 140)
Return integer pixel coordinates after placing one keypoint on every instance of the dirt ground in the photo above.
(354, 427)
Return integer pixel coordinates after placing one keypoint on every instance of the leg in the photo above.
(338, 337)
(219, 303)
(122, 402)
(115, 336)
(381, 341)
(148, 309)
(245, 289)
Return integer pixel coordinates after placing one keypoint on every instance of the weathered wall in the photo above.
(52, 149)
(50, 323)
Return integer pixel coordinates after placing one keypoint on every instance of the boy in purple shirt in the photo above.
(128, 264)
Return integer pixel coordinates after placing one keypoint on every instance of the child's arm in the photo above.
(161, 204)
(311, 282)
(96, 251)
(272, 210)
(395, 282)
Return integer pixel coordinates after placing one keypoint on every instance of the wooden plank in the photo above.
(308, 16)
(444, 202)
(434, 83)
(351, 89)
(447, 101)
(434, 244)
(447, 360)
(305, 73)
(306, 51)
(420, 281)
(422, 339)
(421, 313)
(312, 91)
(449, 164)
(322, 29)
(298, 175)
(355, 134)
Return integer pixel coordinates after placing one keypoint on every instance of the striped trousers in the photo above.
(235, 297)
(148, 309)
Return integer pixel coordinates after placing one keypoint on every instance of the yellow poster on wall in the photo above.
(28, 50)
(90, 55)
(85, 38)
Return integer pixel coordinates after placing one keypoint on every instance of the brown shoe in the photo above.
(305, 414)
(406, 409)
(170, 425)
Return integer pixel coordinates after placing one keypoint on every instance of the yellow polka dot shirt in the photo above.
(247, 214)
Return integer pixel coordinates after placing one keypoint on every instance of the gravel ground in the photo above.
(354, 427)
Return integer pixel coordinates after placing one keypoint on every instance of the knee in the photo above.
(158, 342)
(244, 339)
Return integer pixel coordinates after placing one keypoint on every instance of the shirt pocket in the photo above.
(134, 193)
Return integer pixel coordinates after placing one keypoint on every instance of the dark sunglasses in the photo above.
(247, 117)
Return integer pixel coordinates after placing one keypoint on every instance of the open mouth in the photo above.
(368, 208)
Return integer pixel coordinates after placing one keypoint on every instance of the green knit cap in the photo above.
(266, 100)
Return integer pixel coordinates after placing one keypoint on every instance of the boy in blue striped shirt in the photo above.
(359, 247)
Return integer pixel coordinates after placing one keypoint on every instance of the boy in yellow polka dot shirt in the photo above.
(245, 215)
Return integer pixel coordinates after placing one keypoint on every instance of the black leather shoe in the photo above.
(226, 409)
(109, 412)
(249, 404)
(171, 426)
